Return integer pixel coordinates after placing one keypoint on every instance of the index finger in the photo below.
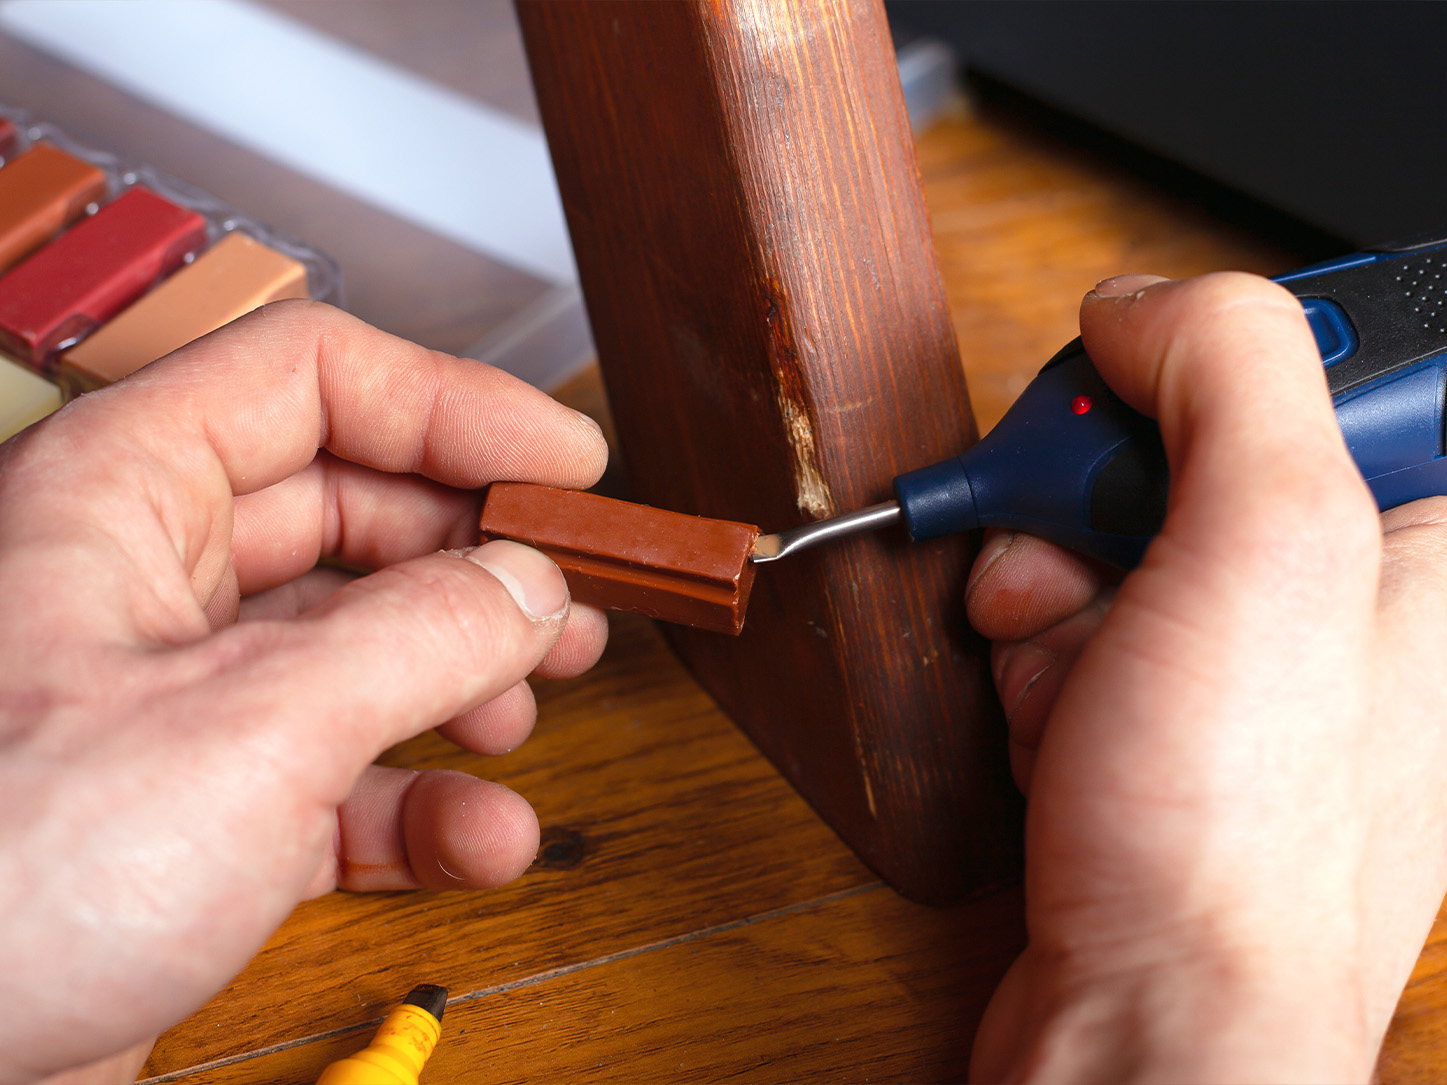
(268, 390)
(146, 469)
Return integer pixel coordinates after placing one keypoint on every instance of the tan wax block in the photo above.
(25, 397)
(234, 277)
(41, 192)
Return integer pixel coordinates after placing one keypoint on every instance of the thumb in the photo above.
(391, 654)
(1260, 474)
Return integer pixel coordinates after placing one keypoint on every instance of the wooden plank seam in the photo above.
(534, 980)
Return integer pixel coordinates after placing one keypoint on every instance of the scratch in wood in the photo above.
(812, 493)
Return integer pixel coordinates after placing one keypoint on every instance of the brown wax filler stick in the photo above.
(621, 556)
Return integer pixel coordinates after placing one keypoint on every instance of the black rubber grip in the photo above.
(1129, 496)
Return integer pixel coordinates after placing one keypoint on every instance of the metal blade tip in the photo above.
(766, 548)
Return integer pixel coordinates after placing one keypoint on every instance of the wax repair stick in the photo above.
(400, 1049)
(238, 274)
(92, 272)
(666, 565)
(25, 397)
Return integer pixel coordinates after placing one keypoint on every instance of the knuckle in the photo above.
(474, 617)
(1251, 314)
(303, 325)
(300, 311)
(1222, 294)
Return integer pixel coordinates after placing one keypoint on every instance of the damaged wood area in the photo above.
(741, 188)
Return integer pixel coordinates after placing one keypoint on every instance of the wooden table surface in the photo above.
(689, 917)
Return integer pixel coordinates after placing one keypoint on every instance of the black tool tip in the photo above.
(429, 997)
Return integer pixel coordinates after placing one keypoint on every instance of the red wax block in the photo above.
(615, 554)
(8, 137)
(90, 274)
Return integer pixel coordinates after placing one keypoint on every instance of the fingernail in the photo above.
(1120, 286)
(991, 552)
(530, 577)
(1017, 668)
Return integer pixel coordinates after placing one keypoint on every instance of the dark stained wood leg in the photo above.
(741, 187)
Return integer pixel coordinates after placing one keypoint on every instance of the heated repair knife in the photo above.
(1072, 463)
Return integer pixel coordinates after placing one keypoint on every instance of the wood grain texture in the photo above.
(823, 993)
(741, 189)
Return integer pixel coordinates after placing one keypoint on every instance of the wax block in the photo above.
(41, 192)
(92, 272)
(25, 397)
(234, 277)
(615, 554)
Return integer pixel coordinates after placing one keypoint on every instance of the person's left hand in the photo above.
(173, 781)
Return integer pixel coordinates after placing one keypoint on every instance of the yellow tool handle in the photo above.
(396, 1054)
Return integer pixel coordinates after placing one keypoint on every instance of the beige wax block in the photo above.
(25, 397)
(235, 276)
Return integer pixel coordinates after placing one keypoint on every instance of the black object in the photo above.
(429, 997)
(1333, 112)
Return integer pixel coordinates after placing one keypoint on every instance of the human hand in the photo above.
(173, 781)
(1236, 835)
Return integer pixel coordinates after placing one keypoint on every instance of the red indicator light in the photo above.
(1080, 404)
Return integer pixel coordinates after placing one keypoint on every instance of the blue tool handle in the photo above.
(1072, 463)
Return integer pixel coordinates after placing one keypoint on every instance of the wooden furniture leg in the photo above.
(741, 187)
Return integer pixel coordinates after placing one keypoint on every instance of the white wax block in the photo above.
(24, 398)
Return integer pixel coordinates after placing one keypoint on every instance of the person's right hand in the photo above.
(1236, 832)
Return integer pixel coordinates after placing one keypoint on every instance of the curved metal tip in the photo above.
(766, 547)
(773, 547)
